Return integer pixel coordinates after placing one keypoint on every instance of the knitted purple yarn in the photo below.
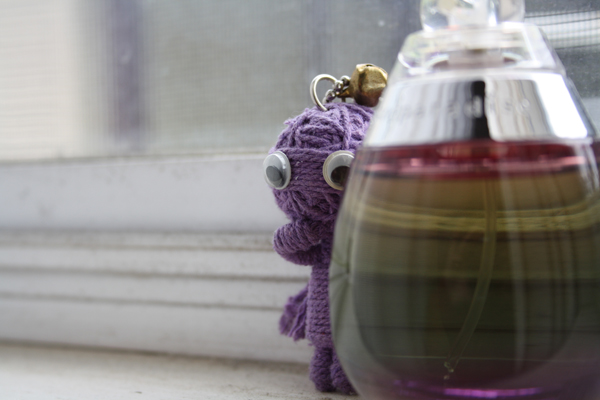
(312, 206)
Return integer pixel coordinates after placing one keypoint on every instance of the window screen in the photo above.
(143, 77)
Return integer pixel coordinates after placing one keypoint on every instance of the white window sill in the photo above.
(194, 294)
(51, 373)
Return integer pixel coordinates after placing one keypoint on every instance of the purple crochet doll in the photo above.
(312, 205)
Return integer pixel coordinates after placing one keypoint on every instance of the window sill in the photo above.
(35, 373)
(193, 294)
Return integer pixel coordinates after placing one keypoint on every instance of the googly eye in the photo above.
(277, 170)
(336, 168)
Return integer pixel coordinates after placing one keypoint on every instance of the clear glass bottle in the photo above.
(466, 260)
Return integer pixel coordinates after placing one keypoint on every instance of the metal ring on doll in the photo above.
(313, 89)
(339, 87)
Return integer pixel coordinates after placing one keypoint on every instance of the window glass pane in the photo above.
(128, 77)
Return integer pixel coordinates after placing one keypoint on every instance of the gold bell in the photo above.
(366, 85)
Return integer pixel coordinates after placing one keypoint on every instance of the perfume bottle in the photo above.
(466, 259)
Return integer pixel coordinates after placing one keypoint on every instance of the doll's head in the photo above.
(303, 188)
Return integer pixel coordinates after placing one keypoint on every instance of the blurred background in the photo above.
(146, 77)
(133, 211)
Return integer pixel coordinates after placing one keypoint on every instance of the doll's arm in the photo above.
(299, 241)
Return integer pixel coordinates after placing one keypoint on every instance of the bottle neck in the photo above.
(513, 46)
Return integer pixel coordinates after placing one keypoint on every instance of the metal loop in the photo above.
(339, 85)
(313, 89)
(329, 96)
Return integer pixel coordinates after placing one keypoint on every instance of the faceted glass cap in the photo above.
(440, 14)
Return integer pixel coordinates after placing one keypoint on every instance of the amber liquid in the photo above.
(470, 270)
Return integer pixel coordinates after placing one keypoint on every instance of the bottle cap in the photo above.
(472, 34)
(439, 14)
